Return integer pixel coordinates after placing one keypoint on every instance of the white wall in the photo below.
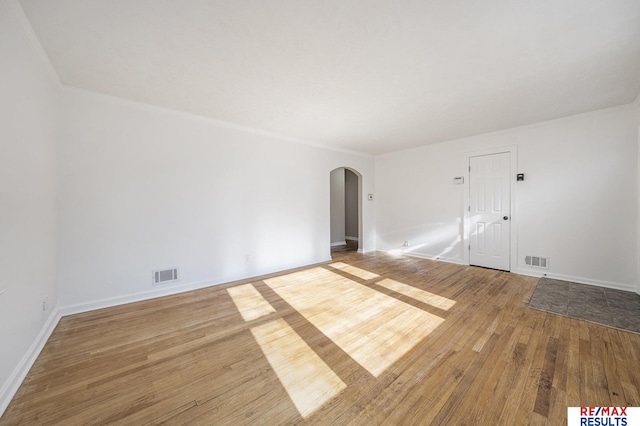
(637, 103)
(27, 201)
(142, 188)
(337, 206)
(350, 204)
(578, 204)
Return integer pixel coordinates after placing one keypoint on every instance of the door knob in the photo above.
(505, 217)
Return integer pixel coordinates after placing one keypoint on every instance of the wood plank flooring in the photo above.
(465, 350)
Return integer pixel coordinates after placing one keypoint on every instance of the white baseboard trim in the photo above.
(526, 271)
(406, 252)
(351, 238)
(436, 258)
(11, 386)
(169, 291)
(339, 243)
(579, 280)
(134, 297)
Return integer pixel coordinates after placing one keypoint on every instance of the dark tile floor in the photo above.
(615, 308)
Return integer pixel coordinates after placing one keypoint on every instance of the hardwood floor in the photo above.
(365, 339)
(350, 245)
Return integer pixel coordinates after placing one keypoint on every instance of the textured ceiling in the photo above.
(370, 76)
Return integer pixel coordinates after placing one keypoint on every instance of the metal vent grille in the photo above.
(162, 276)
(537, 262)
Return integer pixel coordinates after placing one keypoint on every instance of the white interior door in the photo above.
(490, 210)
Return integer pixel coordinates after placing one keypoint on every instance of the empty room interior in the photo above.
(340, 212)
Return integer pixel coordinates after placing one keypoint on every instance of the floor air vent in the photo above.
(162, 276)
(537, 262)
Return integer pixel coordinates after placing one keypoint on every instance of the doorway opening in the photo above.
(346, 210)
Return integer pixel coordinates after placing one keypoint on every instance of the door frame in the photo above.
(513, 166)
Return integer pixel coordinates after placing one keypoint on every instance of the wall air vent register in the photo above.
(162, 276)
(537, 262)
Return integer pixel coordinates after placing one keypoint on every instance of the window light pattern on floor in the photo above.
(250, 302)
(307, 379)
(358, 272)
(374, 329)
(417, 294)
(304, 375)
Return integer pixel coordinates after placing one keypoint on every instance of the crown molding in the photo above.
(17, 14)
(103, 97)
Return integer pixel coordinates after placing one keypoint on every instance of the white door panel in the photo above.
(490, 215)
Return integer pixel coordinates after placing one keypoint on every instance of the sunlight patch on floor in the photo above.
(417, 294)
(360, 273)
(250, 302)
(374, 329)
(307, 379)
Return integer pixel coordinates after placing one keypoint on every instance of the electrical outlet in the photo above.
(45, 303)
(246, 258)
(406, 243)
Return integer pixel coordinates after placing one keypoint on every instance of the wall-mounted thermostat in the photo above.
(459, 180)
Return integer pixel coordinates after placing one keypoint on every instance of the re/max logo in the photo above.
(603, 411)
(603, 416)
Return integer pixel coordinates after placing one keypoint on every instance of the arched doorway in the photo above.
(346, 210)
